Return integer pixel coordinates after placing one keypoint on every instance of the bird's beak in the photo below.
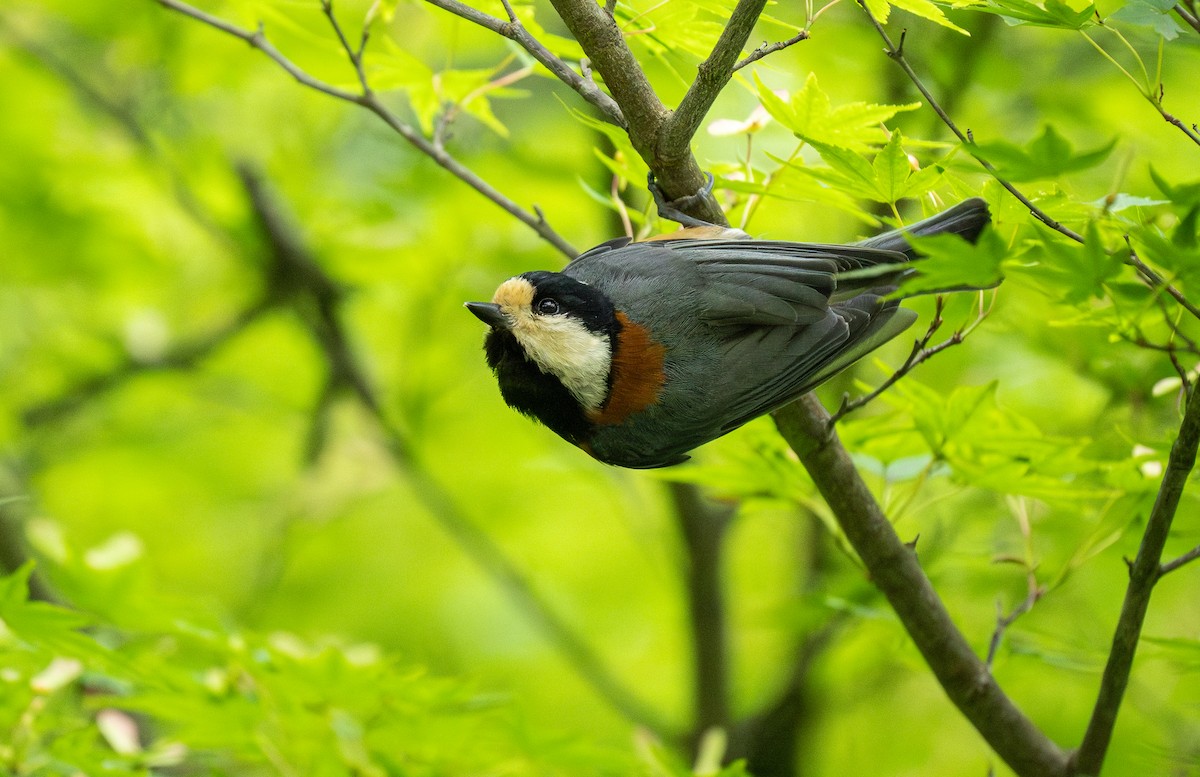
(489, 313)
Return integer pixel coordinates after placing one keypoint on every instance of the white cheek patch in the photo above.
(560, 345)
(565, 348)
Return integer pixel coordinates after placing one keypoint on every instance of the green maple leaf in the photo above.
(888, 178)
(881, 9)
(949, 263)
(1049, 155)
(812, 117)
(1053, 13)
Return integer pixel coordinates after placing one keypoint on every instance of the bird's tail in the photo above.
(883, 276)
(966, 219)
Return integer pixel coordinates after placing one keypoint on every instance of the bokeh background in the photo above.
(198, 420)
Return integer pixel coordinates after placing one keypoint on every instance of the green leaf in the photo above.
(1184, 236)
(1049, 155)
(848, 170)
(1155, 14)
(38, 624)
(1080, 272)
(895, 174)
(927, 10)
(1115, 203)
(1179, 255)
(889, 178)
(938, 417)
(811, 116)
(1054, 13)
(950, 262)
(986, 446)
(1186, 194)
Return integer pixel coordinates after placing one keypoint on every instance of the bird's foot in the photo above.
(675, 210)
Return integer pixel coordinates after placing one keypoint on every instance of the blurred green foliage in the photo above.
(264, 573)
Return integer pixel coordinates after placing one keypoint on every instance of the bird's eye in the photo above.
(547, 306)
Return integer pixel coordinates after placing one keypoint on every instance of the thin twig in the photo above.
(369, 100)
(896, 54)
(1143, 87)
(516, 32)
(769, 48)
(1171, 349)
(919, 355)
(1144, 572)
(1157, 281)
(920, 352)
(673, 164)
(258, 40)
(1174, 564)
(1170, 118)
(1188, 17)
(355, 55)
(1033, 589)
(1003, 622)
(619, 203)
(451, 109)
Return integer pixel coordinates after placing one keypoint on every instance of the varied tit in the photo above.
(639, 352)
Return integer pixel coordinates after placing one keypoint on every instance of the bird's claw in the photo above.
(675, 210)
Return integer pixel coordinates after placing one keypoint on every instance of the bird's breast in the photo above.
(636, 378)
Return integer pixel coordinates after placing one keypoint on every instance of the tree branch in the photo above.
(894, 569)
(703, 526)
(896, 54)
(1188, 17)
(1174, 564)
(516, 32)
(183, 356)
(292, 271)
(371, 102)
(677, 172)
(1144, 572)
(770, 48)
(711, 77)
(771, 740)
(605, 47)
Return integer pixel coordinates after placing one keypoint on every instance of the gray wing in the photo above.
(775, 314)
(792, 321)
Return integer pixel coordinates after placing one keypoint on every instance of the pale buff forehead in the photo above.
(514, 293)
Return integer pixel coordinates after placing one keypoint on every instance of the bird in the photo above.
(639, 352)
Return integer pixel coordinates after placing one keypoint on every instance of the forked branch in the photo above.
(518, 33)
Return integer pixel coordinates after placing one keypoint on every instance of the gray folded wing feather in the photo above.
(783, 320)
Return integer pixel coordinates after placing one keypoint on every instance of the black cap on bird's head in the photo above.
(546, 294)
(551, 347)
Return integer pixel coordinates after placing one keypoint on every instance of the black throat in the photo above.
(523, 384)
(532, 392)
